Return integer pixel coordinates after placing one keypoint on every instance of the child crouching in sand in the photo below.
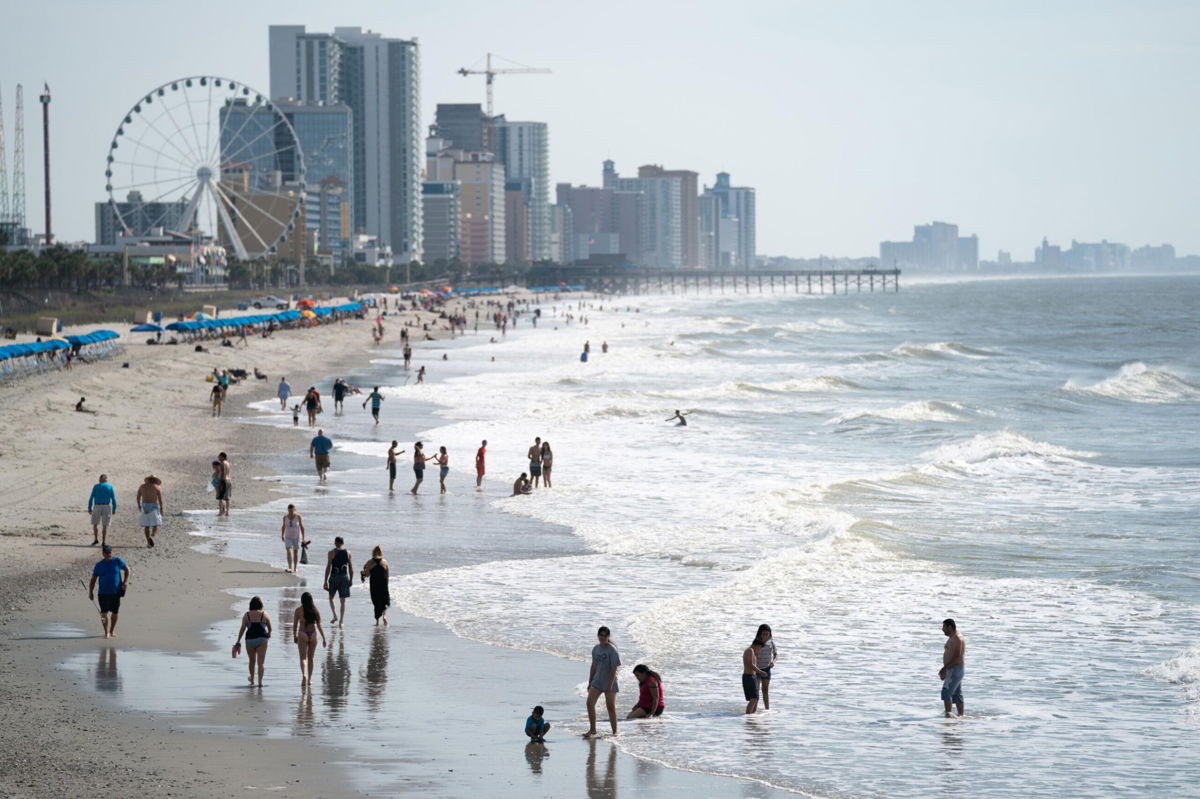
(536, 727)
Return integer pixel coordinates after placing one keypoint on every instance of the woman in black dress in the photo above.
(377, 569)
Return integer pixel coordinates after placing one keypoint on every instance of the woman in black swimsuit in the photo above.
(256, 626)
(377, 569)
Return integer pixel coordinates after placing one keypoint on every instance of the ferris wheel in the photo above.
(211, 159)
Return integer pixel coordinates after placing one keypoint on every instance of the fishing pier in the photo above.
(638, 280)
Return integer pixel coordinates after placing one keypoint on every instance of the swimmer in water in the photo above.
(682, 421)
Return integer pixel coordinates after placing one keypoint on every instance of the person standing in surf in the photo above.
(751, 674)
(480, 463)
(765, 659)
(547, 463)
(954, 666)
(442, 459)
(391, 464)
(419, 459)
(535, 462)
(283, 392)
(602, 679)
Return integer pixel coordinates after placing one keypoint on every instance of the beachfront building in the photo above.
(481, 197)
(599, 221)
(935, 247)
(660, 223)
(463, 126)
(524, 149)
(517, 194)
(689, 216)
(143, 218)
(378, 80)
(326, 136)
(443, 221)
(728, 225)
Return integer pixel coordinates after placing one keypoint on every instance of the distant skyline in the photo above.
(854, 121)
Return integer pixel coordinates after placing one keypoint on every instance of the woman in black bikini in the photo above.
(256, 626)
(306, 623)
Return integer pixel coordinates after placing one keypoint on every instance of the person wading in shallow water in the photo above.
(954, 660)
(602, 680)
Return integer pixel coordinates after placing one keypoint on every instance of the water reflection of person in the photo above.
(304, 714)
(535, 752)
(107, 677)
(337, 676)
(376, 670)
(601, 786)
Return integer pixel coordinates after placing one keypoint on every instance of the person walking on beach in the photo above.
(284, 391)
(337, 578)
(765, 660)
(113, 575)
(547, 463)
(291, 531)
(102, 504)
(150, 503)
(375, 398)
(442, 459)
(602, 679)
(419, 459)
(751, 674)
(256, 626)
(535, 461)
(339, 395)
(377, 570)
(224, 484)
(391, 464)
(312, 404)
(407, 355)
(319, 449)
(651, 701)
(954, 665)
(218, 399)
(480, 463)
(306, 623)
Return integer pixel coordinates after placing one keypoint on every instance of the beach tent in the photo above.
(146, 327)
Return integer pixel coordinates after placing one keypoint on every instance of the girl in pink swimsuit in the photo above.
(306, 623)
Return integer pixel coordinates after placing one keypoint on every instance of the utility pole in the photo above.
(45, 98)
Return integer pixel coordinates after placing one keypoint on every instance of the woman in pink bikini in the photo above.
(306, 623)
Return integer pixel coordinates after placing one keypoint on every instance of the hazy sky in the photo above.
(854, 120)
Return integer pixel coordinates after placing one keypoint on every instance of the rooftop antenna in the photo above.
(18, 195)
(490, 74)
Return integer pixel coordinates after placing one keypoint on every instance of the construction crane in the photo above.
(492, 73)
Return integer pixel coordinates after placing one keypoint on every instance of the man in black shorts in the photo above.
(751, 674)
(113, 575)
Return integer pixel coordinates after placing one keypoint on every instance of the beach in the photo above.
(161, 708)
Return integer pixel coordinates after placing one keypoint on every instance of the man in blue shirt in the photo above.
(102, 504)
(319, 450)
(113, 575)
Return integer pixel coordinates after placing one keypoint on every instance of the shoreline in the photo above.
(188, 750)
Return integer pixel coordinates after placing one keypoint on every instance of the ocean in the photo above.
(1021, 455)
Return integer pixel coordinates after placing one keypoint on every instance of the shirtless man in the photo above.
(224, 485)
(953, 666)
(681, 423)
(751, 674)
(535, 461)
(521, 486)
